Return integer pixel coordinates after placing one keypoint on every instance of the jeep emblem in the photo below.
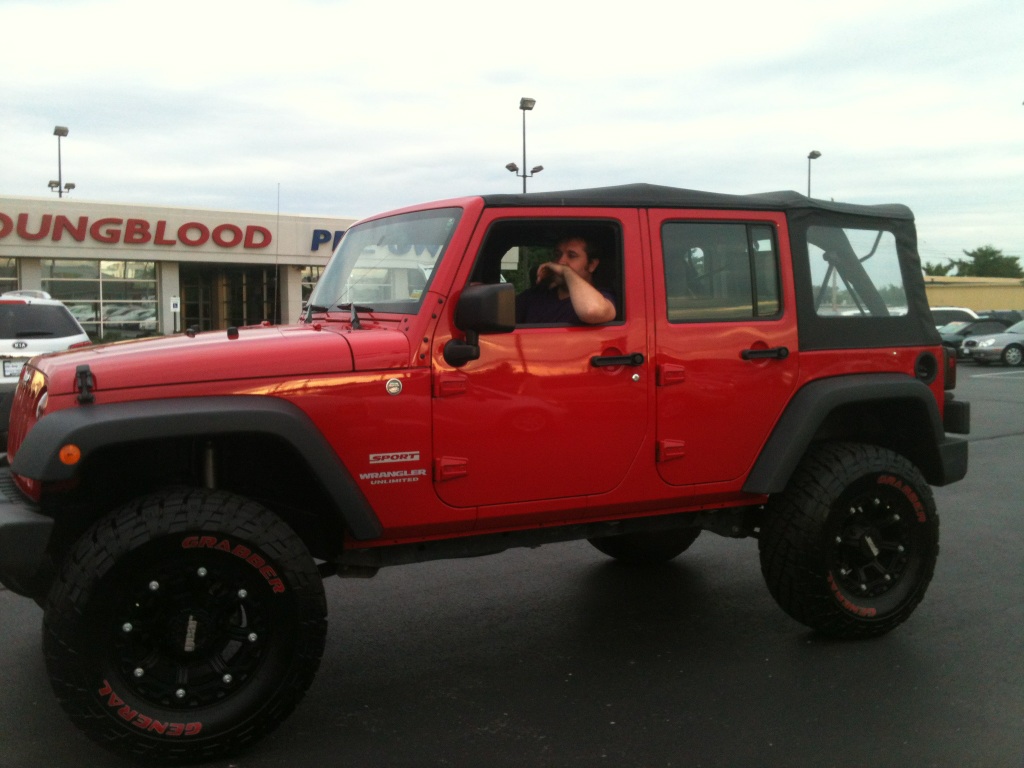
(393, 387)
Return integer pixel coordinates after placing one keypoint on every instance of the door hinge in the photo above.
(450, 384)
(670, 450)
(669, 374)
(450, 468)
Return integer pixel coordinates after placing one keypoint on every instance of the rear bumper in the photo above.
(953, 457)
(24, 536)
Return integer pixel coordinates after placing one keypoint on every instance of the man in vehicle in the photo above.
(564, 291)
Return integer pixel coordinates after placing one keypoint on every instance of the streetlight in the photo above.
(814, 155)
(58, 186)
(525, 105)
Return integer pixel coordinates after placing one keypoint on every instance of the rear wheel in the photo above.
(849, 547)
(647, 547)
(1013, 355)
(184, 626)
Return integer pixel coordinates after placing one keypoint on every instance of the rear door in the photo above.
(726, 334)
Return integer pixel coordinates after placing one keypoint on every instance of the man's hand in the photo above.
(551, 275)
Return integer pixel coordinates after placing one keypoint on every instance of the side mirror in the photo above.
(481, 309)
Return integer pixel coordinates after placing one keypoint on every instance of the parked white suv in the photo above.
(31, 323)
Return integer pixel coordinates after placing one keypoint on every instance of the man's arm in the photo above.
(590, 305)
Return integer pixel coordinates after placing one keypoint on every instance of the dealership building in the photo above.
(129, 270)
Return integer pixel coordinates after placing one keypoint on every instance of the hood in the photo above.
(254, 353)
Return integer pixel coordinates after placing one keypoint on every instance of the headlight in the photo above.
(986, 343)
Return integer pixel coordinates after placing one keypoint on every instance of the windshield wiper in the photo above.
(353, 310)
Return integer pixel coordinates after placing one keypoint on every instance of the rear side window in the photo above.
(855, 272)
(720, 271)
(36, 321)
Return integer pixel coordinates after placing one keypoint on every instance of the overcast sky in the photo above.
(349, 108)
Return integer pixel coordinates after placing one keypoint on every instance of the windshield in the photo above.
(1016, 328)
(953, 327)
(385, 265)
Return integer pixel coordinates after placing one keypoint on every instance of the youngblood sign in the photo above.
(112, 230)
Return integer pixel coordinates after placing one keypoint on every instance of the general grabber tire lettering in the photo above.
(849, 547)
(184, 626)
(647, 547)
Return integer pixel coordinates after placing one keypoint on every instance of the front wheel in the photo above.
(849, 547)
(184, 626)
(1013, 355)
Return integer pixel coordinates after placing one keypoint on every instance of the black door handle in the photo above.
(607, 362)
(774, 353)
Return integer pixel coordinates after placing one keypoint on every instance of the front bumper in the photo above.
(24, 536)
(984, 354)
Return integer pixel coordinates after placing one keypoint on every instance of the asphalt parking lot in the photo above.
(558, 657)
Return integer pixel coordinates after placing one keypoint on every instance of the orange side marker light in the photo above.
(70, 454)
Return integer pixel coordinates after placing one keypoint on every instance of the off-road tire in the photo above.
(647, 547)
(184, 626)
(849, 547)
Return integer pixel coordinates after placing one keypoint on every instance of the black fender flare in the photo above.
(93, 427)
(941, 459)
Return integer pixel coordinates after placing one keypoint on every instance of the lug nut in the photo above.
(201, 573)
(180, 693)
(154, 586)
(139, 672)
(227, 679)
(253, 637)
(127, 627)
(242, 594)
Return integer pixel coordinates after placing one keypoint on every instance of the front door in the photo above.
(548, 412)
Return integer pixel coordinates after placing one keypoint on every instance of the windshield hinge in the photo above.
(85, 381)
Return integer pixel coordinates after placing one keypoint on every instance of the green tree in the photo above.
(988, 261)
(937, 270)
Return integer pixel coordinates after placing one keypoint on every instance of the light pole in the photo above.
(58, 186)
(525, 105)
(814, 155)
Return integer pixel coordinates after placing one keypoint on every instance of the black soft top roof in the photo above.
(656, 196)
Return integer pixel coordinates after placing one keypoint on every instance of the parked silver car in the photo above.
(1006, 347)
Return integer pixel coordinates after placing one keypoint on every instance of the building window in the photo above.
(112, 299)
(309, 277)
(8, 275)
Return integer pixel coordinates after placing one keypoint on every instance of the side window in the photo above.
(855, 272)
(514, 249)
(720, 271)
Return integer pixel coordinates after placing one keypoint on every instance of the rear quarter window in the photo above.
(855, 272)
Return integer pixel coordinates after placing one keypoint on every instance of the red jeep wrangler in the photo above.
(772, 370)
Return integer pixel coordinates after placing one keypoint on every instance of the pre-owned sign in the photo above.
(111, 230)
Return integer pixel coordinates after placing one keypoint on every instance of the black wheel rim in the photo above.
(873, 542)
(185, 629)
